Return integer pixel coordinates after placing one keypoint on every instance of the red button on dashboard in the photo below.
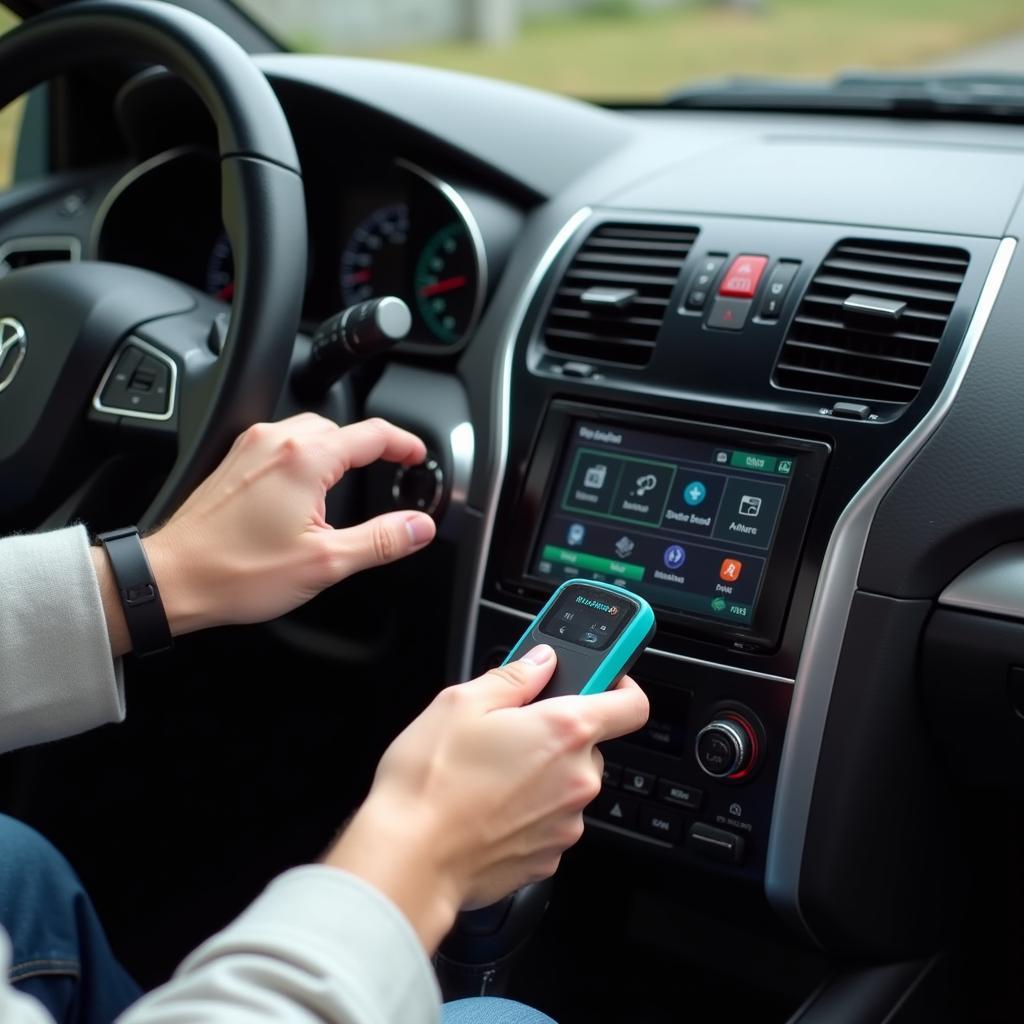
(741, 279)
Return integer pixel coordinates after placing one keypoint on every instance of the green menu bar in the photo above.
(748, 460)
(592, 563)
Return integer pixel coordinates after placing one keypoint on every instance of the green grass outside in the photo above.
(633, 54)
(624, 54)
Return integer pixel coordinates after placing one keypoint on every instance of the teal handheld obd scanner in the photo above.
(597, 630)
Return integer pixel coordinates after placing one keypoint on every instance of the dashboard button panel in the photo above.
(716, 843)
(700, 287)
(779, 282)
(660, 823)
(729, 314)
(743, 277)
(681, 794)
(636, 781)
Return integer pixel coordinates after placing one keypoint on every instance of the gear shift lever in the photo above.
(477, 955)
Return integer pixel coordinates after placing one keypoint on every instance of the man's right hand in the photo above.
(482, 794)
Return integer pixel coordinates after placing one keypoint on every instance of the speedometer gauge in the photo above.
(374, 259)
(414, 237)
(445, 282)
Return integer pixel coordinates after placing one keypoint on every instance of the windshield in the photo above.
(644, 50)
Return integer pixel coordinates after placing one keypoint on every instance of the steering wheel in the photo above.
(71, 333)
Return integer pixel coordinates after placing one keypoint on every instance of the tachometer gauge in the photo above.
(373, 262)
(445, 282)
(220, 270)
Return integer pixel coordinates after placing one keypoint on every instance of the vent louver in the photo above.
(610, 304)
(871, 321)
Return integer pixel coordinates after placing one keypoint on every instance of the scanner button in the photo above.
(635, 781)
(660, 823)
(613, 808)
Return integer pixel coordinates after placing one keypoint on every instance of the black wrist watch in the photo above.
(144, 613)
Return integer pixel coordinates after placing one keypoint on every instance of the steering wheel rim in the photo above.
(262, 205)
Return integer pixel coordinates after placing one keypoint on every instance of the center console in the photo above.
(707, 411)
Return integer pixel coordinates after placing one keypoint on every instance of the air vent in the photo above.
(871, 321)
(613, 298)
(26, 252)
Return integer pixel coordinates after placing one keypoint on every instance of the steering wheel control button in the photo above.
(419, 487)
(636, 781)
(680, 794)
(660, 823)
(723, 748)
(140, 384)
(612, 774)
(729, 314)
(743, 277)
(851, 410)
(614, 809)
(700, 286)
(779, 282)
(716, 843)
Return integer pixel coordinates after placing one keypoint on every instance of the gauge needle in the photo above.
(449, 284)
(226, 293)
(359, 277)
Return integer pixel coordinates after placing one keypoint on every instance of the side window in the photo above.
(10, 118)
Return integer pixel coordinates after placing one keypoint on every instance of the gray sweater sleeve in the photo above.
(318, 945)
(57, 677)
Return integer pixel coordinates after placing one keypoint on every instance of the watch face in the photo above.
(588, 616)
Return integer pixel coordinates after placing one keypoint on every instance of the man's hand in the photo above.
(252, 541)
(481, 794)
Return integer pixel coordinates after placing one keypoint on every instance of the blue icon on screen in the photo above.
(576, 534)
(694, 493)
(675, 556)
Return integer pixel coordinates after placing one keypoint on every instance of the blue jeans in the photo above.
(61, 955)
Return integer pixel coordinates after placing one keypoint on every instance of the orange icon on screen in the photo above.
(731, 569)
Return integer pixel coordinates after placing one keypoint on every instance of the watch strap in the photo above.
(144, 612)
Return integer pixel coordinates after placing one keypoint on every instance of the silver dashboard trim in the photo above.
(172, 387)
(993, 585)
(462, 444)
(467, 217)
(826, 625)
(501, 418)
(496, 606)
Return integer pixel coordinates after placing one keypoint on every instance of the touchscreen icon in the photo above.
(645, 483)
(674, 556)
(694, 493)
(594, 476)
(576, 533)
(625, 546)
(730, 570)
(750, 506)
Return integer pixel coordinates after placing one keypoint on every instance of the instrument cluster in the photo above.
(391, 228)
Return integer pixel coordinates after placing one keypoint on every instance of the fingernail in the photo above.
(539, 655)
(420, 528)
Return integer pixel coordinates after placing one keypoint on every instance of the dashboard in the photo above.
(378, 227)
(764, 369)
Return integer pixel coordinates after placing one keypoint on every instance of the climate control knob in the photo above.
(726, 748)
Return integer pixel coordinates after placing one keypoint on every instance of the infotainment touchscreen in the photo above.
(689, 522)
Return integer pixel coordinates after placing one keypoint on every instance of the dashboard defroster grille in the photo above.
(871, 321)
(610, 304)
